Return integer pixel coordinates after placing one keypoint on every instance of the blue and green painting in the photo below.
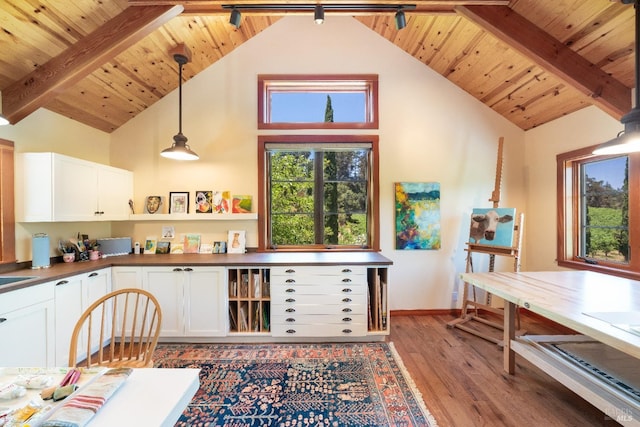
(417, 215)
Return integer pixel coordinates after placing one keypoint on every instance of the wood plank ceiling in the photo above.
(103, 62)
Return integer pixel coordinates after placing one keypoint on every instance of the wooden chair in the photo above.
(120, 329)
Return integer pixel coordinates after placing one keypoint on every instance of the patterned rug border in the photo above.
(392, 355)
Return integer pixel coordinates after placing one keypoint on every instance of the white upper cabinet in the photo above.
(54, 187)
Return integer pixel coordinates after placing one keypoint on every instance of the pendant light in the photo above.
(180, 150)
(628, 140)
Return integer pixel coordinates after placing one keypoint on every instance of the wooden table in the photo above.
(578, 300)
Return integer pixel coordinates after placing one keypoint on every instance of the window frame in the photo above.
(569, 215)
(7, 208)
(268, 83)
(264, 216)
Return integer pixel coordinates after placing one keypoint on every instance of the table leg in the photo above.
(509, 334)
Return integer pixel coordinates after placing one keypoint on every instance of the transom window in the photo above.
(596, 223)
(319, 192)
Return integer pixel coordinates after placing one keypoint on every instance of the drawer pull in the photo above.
(291, 331)
(346, 280)
(290, 319)
(289, 290)
(290, 310)
(346, 270)
(346, 310)
(346, 331)
(188, 269)
(290, 300)
(346, 290)
(177, 269)
(93, 274)
(62, 282)
(290, 270)
(346, 299)
(347, 319)
(3, 319)
(290, 281)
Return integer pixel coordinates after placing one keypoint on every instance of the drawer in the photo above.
(319, 330)
(300, 309)
(318, 319)
(280, 291)
(310, 280)
(330, 270)
(298, 298)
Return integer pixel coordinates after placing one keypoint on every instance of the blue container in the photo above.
(40, 251)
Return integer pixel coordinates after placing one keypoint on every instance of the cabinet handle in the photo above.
(290, 270)
(62, 282)
(290, 300)
(290, 319)
(346, 280)
(346, 299)
(94, 274)
(346, 290)
(346, 331)
(290, 281)
(3, 319)
(346, 310)
(177, 269)
(346, 270)
(188, 269)
(290, 310)
(346, 319)
(291, 331)
(290, 290)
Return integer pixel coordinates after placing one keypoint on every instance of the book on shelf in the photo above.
(256, 286)
(243, 320)
(383, 304)
(256, 318)
(233, 323)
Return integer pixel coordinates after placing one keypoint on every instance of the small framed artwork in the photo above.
(162, 247)
(220, 247)
(153, 204)
(221, 202)
(206, 248)
(204, 201)
(241, 204)
(177, 248)
(178, 202)
(191, 243)
(150, 245)
(236, 242)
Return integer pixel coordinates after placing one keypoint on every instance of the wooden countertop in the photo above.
(251, 259)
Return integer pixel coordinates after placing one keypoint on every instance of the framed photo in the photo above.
(150, 245)
(241, 204)
(179, 202)
(220, 247)
(153, 204)
(204, 201)
(162, 247)
(236, 242)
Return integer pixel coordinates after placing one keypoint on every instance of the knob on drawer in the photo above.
(290, 319)
(290, 281)
(290, 270)
(346, 310)
(346, 319)
(346, 270)
(293, 331)
(289, 290)
(346, 280)
(290, 300)
(346, 290)
(346, 300)
(290, 310)
(346, 331)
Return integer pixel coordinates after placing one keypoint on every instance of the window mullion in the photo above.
(318, 199)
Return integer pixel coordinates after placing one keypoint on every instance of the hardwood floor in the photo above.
(462, 382)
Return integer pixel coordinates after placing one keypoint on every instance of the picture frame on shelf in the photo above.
(153, 204)
(150, 245)
(204, 201)
(162, 247)
(236, 242)
(241, 204)
(179, 202)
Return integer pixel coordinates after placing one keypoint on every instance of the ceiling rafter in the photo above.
(551, 54)
(42, 85)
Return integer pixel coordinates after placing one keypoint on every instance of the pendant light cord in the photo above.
(180, 97)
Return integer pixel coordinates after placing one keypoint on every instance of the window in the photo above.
(318, 192)
(302, 101)
(7, 222)
(597, 226)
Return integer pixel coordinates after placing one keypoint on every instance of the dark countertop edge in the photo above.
(60, 271)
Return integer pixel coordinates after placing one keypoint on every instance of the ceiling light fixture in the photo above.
(628, 141)
(180, 150)
(400, 19)
(318, 14)
(235, 17)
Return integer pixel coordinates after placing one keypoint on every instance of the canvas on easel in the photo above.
(492, 226)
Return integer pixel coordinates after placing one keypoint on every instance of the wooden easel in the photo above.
(471, 307)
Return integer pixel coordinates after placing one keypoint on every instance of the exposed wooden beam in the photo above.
(549, 53)
(34, 90)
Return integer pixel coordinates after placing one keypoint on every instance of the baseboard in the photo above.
(431, 312)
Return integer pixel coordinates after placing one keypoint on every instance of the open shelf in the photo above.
(194, 217)
(249, 300)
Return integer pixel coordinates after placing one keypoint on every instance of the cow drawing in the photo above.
(483, 226)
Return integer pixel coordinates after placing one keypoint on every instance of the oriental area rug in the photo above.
(345, 385)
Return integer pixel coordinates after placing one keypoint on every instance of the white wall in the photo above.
(429, 131)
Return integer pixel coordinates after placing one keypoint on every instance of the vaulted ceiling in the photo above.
(102, 62)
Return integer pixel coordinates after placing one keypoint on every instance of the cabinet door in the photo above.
(68, 308)
(115, 189)
(75, 195)
(166, 284)
(205, 308)
(26, 335)
(96, 285)
(126, 277)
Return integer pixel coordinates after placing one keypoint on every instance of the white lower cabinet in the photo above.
(192, 299)
(27, 336)
(73, 295)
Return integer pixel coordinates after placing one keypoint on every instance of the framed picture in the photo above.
(191, 243)
(236, 242)
(179, 202)
(221, 201)
(220, 247)
(153, 204)
(204, 201)
(150, 245)
(417, 215)
(492, 226)
(162, 247)
(241, 204)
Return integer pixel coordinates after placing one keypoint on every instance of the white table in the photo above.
(569, 298)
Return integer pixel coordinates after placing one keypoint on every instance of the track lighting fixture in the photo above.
(235, 17)
(401, 21)
(318, 14)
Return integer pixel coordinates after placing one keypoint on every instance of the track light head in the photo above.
(318, 14)
(400, 19)
(235, 17)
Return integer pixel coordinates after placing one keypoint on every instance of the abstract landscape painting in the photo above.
(417, 215)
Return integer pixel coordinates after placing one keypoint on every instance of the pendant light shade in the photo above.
(401, 20)
(628, 141)
(318, 14)
(180, 150)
